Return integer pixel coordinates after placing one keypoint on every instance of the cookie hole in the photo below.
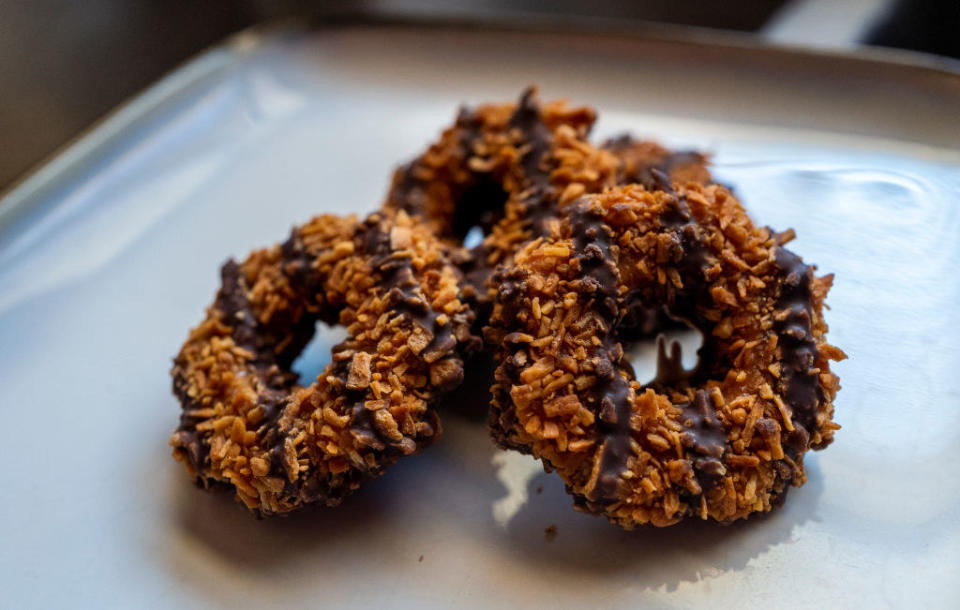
(480, 206)
(473, 237)
(642, 355)
(316, 355)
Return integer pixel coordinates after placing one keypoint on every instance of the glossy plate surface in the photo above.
(110, 253)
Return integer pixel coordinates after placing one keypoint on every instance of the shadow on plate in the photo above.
(653, 557)
(447, 495)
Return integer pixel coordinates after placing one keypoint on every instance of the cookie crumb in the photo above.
(550, 532)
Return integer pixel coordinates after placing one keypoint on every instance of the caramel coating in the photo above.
(513, 170)
(489, 155)
(245, 421)
(721, 442)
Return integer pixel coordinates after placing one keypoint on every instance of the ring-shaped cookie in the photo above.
(246, 423)
(723, 441)
(513, 169)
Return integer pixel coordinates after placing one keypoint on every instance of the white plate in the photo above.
(110, 253)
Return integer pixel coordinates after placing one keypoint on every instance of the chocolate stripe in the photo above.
(611, 395)
(798, 349)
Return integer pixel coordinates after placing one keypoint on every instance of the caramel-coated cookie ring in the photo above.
(247, 424)
(513, 169)
(723, 441)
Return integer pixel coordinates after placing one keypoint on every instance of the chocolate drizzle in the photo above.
(704, 433)
(232, 301)
(704, 436)
(611, 393)
(404, 297)
(536, 139)
(538, 198)
(269, 365)
(799, 382)
(670, 371)
(691, 257)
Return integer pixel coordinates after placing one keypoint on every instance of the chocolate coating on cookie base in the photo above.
(611, 394)
(513, 170)
(722, 441)
(280, 446)
(801, 388)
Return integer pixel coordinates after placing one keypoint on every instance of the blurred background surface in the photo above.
(65, 64)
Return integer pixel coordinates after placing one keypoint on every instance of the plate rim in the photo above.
(69, 159)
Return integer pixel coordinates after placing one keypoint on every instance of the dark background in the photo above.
(66, 63)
